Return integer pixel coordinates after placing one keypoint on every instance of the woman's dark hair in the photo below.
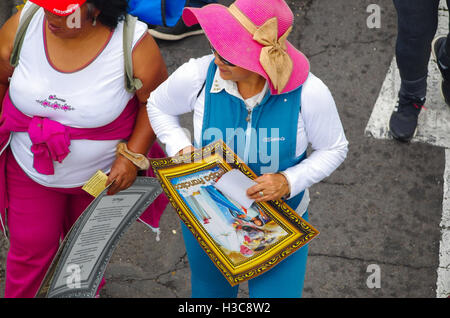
(111, 11)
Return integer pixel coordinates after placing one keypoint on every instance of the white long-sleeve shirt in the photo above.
(318, 124)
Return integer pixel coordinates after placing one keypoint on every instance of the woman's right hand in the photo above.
(122, 176)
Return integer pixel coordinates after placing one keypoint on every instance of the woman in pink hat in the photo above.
(65, 110)
(256, 92)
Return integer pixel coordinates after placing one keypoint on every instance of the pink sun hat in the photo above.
(252, 34)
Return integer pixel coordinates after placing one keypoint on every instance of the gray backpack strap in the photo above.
(131, 84)
(21, 31)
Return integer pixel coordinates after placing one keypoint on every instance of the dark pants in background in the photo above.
(417, 25)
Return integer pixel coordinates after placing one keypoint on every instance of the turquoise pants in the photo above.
(285, 280)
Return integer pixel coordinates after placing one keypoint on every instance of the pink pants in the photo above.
(38, 218)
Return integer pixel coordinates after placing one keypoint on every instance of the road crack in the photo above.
(371, 261)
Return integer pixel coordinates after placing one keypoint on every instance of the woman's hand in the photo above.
(271, 186)
(123, 174)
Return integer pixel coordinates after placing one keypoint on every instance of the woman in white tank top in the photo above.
(71, 71)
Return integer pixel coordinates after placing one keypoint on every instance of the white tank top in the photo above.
(87, 98)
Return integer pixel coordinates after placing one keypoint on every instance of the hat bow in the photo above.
(274, 59)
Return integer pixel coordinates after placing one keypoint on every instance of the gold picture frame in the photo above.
(240, 247)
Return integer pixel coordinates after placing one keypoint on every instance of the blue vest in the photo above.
(265, 138)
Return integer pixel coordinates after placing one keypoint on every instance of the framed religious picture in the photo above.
(241, 237)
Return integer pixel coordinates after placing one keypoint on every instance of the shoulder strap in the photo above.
(21, 31)
(131, 84)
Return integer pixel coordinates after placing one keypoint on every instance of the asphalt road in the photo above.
(382, 207)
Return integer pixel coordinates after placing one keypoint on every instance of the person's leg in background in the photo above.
(180, 30)
(417, 24)
(441, 54)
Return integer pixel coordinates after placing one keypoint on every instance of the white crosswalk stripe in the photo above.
(443, 281)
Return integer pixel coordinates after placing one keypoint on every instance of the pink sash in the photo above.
(51, 141)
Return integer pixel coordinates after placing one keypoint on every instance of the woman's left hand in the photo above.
(123, 174)
(271, 186)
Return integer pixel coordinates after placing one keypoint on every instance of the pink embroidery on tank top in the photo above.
(55, 103)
